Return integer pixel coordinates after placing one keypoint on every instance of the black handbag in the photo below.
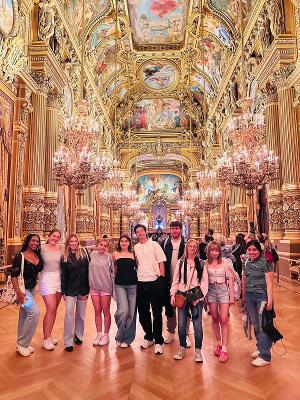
(274, 255)
(193, 294)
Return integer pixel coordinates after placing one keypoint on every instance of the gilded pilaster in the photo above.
(105, 225)
(290, 155)
(54, 103)
(238, 219)
(216, 220)
(84, 216)
(275, 196)
(116, 222)
(125, 224)
(34, 192)
(194, 227)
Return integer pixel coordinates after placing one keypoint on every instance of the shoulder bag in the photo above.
(182, 298)
(8, 294)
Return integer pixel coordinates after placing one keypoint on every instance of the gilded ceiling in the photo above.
(156, 62)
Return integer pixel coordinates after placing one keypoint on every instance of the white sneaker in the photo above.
(97, 339)
(104, 340)
(158, 349)
(180, 353)
(54, 340)
(31, 349)
(147, 343)
(255, 354)
(198, 355)
(118, 344)
(48, 344)
(124, 345)
(169, 338)
(260, 362)
(188, 342)
(24, 351)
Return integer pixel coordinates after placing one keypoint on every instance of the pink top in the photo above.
(220, 273)
(191, 283)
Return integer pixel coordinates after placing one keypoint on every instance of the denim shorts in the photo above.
(218, 293)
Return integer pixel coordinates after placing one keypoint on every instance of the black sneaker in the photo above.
(69, 349)
(76, 340)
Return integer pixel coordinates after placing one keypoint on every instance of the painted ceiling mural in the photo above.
(158, 75)
(159, 115)
(148, 66)
(158, 21)
(165, 186)
(231, 9)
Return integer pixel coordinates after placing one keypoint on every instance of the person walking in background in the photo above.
(125, 289)
(189, 274)
(238, 251)
(101, 282)
(257, 293)
(50, 285)
(173, 248)
(202, 246)
(75, 289)
(151, 288)
(30, 260)
(219, 296)
(225, 248)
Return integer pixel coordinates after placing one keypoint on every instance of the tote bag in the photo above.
(8, 294)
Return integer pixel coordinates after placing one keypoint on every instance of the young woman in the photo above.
(50, 285)
(75, 289)
(125, 289)
(189, 273)
(101, 289)
(220, 295)
(257, 292)
(29, 310)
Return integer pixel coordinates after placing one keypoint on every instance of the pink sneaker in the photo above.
(223, 356)
(218, 350)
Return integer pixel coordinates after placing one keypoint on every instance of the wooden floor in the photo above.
(108, 373)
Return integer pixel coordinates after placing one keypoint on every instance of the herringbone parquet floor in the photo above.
(117, 374)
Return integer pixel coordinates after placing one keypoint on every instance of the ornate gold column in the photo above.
(194, 227)
(54, 103)
(275, 196)
(216, 220)
(238, 220)
(84, 216)
(105, 225)
(290, 155)
(116, 222)
(34, 192)
(125, 224)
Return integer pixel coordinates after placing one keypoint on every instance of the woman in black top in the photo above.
(125, 289)
(75, 289)
(238, 250)
(29, 312)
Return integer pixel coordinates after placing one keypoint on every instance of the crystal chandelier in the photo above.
(88, 171)
(206, 177)
(209, 199)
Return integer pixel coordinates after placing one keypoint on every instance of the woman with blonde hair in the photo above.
(225, 248)
(50, 285)
(75, 289)
(220, 295)
(189, 274)
(101, 281)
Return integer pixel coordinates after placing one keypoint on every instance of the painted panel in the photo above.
(102, 31)
(212, 60)
(158, 21)
(6, 16)
(158, 75)
(158, 114)
(165, 186)
(199, 79)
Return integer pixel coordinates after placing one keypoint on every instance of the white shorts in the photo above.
(50, 283)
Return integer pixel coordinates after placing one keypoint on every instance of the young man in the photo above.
(151, 288)
(173, 248)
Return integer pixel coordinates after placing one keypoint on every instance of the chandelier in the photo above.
(206, 177)
(209, 199)
(88, 171)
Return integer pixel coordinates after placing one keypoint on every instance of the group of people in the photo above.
(143, 279)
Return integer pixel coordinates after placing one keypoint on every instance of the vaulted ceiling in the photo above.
(157, 60)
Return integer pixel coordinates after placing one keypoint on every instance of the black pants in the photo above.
(151, 293)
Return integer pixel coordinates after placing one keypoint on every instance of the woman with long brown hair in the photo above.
(220, 295)
(50, 285)
(125, 289)
(75, 289)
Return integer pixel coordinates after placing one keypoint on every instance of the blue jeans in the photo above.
(254, 309)
(196, 312)
(125, 315)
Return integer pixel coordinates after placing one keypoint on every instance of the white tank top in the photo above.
(51, 259)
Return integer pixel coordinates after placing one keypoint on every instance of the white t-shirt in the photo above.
(174, 259)
(148, 255)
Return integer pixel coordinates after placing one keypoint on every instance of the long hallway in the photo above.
(96, 373)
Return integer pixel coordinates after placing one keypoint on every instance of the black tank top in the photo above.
(126, 272)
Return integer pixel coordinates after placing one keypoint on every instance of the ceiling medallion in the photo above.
(158, 74)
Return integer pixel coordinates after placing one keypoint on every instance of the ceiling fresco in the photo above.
(158, 75)
(158, 22)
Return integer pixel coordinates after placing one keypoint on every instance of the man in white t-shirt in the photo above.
(151, 288)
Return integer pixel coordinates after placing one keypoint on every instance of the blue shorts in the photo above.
(218, 293)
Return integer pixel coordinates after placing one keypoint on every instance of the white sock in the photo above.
(224, 348)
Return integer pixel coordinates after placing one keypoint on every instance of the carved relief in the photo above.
(33, 217)
(291, 209)
(50, 214)
(12, 58)
(269, 94)
(276, 213)
(238, 220)
(276, 16)
(46, 19)
(84, 222)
